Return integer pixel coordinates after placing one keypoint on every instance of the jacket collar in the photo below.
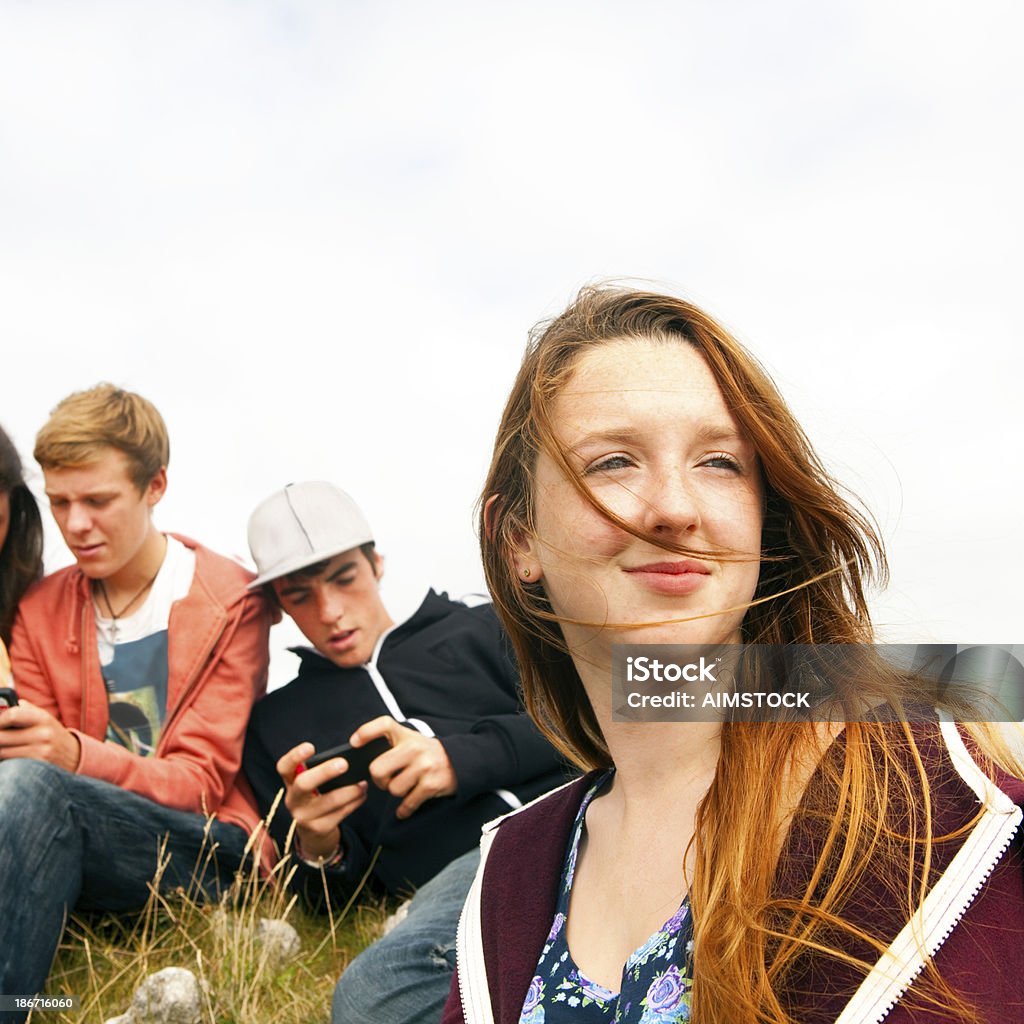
(225, 588)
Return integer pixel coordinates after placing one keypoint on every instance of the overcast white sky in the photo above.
(315, 235)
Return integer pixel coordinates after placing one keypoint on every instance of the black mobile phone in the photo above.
(358, 758)
(8, 698)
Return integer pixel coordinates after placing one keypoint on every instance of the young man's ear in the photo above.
(524, 555)
(156, 488)
(377, 562)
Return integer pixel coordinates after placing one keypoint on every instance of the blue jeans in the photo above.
(72, 842)
(404, 977)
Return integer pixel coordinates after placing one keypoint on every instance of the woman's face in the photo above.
(647, 429)
(5, 517)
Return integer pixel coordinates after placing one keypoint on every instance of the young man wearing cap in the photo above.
(135, 668)
(443, 690)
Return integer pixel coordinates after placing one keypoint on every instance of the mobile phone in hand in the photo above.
(8, 697)
(358, 758)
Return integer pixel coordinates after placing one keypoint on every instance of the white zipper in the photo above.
(384, 691)
(469, 948)
(378, 680)
(949, 899)
(474, 993)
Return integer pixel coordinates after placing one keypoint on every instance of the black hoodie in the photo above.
(447, 670)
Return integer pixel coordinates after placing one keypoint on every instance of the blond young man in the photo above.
(135, 669)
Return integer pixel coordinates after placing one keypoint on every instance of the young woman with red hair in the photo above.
(649, 485)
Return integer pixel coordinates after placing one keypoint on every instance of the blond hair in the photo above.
(105, 416)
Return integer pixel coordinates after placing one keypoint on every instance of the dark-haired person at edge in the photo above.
(135, 670)
(649, 485)
(442, 688)
(21, 545)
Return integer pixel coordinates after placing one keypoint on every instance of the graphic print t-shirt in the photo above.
(135, 667)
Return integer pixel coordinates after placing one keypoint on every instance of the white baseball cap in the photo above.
(303, 524)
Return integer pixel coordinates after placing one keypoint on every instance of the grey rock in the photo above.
(170, 996)
(278, 940)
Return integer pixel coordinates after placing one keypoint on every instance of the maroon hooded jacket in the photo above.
(971, 922)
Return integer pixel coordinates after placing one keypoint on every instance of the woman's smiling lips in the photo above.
(672, 578)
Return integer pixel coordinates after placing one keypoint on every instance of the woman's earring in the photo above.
(526, 574)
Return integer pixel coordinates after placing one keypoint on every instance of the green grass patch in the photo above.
(102, 959)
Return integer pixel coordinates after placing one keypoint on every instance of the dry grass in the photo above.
(103, 959)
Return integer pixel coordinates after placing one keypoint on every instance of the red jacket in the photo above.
(972, 921)
(217, 660)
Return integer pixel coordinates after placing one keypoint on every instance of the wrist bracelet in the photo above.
(328, 860)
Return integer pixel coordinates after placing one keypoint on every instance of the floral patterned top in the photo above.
(655, 980)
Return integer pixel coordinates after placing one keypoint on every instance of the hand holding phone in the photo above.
(358, 758)
(417, 768)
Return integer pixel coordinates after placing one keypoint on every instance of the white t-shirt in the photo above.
(134, 664)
